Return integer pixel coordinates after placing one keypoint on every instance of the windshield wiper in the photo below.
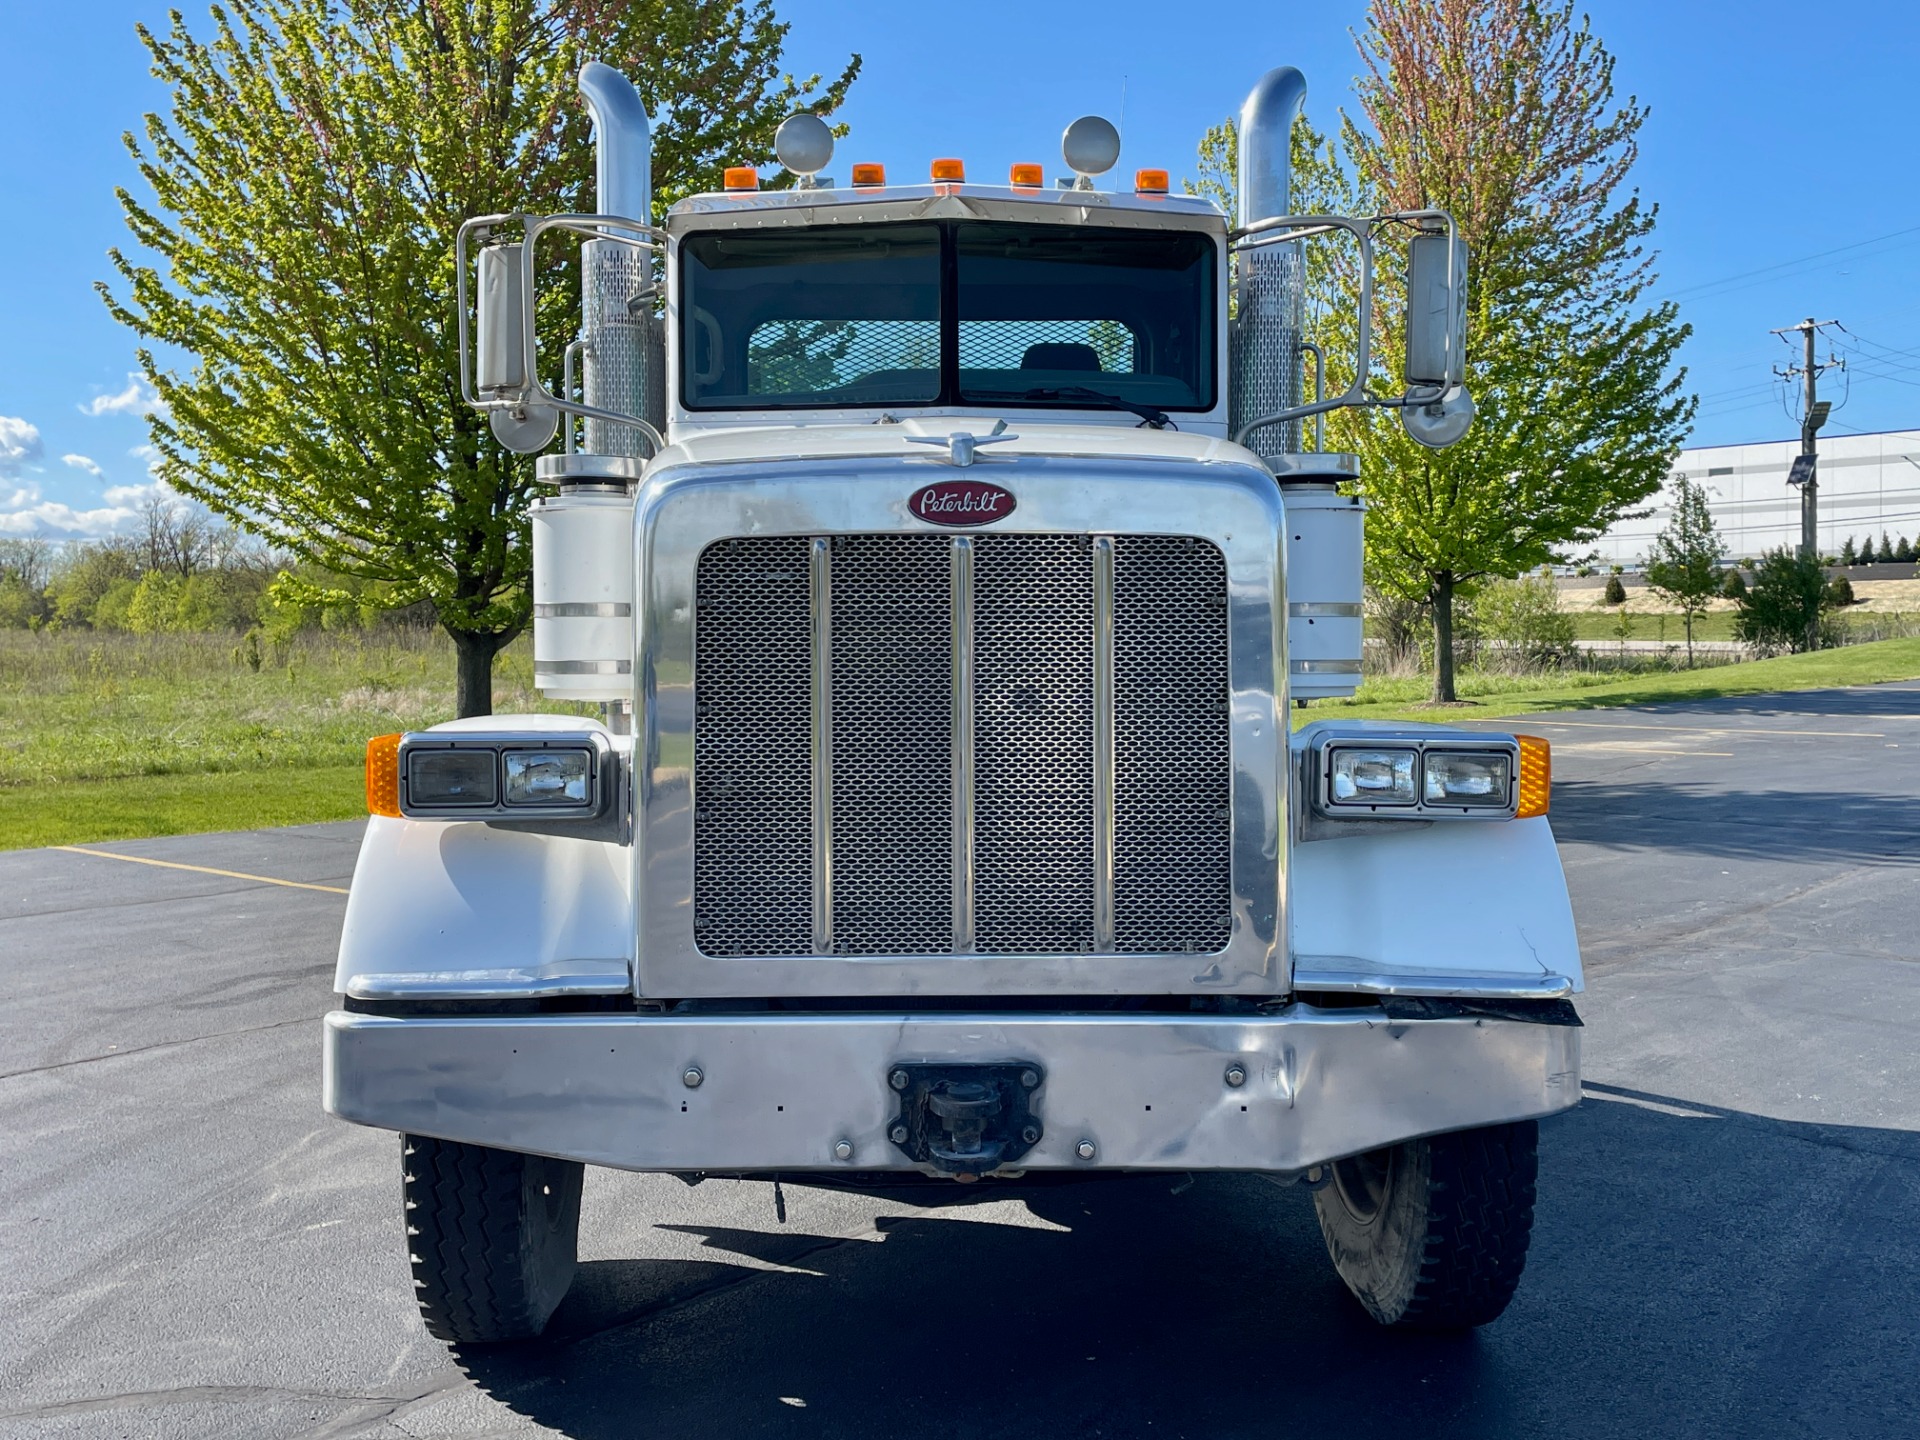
(1097, 399)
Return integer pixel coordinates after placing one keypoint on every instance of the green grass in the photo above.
(76, 812)
(123, 735)
(1496, 695)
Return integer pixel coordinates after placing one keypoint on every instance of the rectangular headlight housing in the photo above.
(507, 775)
(1417, 773)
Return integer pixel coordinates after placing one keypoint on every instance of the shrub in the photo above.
(1849, 553)
(1525, 618)
(1616, 593)
(1734, 586)
(1781, 609)
(1840, 593)
(1903, 550)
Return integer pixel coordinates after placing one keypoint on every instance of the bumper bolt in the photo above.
(692, 1077)
(1031, 1134)
(1236, 1075)
(1085, 1150)
(1029, 1078)
(843, 1149)
(898, 1079)
(898, 1135)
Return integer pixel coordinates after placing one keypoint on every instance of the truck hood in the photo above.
(907, 440)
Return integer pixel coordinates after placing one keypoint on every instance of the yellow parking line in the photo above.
(1712, 729)
(200, 869)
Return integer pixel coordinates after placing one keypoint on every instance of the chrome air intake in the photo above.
(623, 351)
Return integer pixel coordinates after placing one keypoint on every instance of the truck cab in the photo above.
(946, 560)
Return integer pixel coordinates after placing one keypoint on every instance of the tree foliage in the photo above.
(1684, 564)
(1502, 112)
(316, 160)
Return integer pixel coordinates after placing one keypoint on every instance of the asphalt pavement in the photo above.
(1728, 1235)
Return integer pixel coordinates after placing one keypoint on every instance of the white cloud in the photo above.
(139, 398)
(20, 444)
(82, 462)
(27, 514)
(133, 495)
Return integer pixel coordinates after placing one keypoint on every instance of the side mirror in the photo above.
(500, 368)
(1436, 311)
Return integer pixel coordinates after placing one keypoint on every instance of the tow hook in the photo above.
(966, 1120)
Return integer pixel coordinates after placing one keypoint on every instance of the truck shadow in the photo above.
(1803, 825)
(1695, 1271)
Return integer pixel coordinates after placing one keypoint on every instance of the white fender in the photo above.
(1452, 899)
(439, 897)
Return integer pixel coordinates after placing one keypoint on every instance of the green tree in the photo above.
(307, 181)
(1503, 113)
(1782, 607)
(1524, 615)
(1735, 584)
(1903, 550)
(1615, 593)
(1866, 556)
(1684, 565)
(1848, 554)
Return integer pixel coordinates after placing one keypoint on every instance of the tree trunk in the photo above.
(1443, 638)
(1689, 620)
(473, 652)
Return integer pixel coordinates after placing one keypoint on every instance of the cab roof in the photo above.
(872, 204)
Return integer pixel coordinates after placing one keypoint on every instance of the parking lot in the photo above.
(1728, 1236)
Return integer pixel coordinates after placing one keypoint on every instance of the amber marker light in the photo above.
(950, 170)
(742, 177)
(383, 775)
(1150, 182)
(1536, 776)
(1028, 177)
(869, 174)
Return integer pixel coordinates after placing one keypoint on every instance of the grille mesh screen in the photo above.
(1033, 743)
(892, 738)
(891, 743)
(1171, 876)
(752, 750)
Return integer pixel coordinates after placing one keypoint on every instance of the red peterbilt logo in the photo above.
(961, 502)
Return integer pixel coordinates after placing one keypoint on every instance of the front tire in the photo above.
(1432, 1234)
(493, 1236)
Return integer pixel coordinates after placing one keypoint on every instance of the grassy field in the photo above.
(111, 735)
(117, 736)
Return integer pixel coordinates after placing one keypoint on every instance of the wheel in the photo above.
(492, 1234)
(1432, 1234)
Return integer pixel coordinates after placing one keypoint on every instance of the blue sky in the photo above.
(1779, 151)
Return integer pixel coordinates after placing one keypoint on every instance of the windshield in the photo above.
(947, 313)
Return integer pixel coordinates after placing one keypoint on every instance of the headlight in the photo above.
(1468, 778)
(451, 777)
(1374, 776)
(548, 777)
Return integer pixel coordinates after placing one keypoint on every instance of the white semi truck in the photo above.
(946, 559)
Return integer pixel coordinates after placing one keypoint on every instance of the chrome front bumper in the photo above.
(809, 1092)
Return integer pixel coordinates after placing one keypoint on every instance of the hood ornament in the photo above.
(961, 444)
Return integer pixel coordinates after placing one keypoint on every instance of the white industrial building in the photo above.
(1869, 485)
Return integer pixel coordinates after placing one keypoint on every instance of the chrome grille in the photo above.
(1171, 887)
(892, 717)
(752, 766)
(1033, 743)
(962, 710)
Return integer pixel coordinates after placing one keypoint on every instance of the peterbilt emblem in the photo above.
(961, 502)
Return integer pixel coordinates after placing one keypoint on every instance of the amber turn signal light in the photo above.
(1536, 776)
(383, 776)
(1027, 176)
(950, 170)
(869, 174)
(1150, 182)
(742, 177)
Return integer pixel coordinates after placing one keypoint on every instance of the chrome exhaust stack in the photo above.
(622, 343)
(1264, 351)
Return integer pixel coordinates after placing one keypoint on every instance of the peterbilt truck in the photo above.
(947, 562)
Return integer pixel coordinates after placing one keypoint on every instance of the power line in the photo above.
(1772, 271)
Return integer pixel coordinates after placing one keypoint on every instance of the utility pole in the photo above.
(1805, 470)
